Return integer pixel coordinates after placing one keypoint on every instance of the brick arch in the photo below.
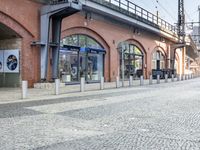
(28, 57)
(141, 47)
(98, 38)
(138, 44)
(86, 31)
(159, 48)
(14, 25)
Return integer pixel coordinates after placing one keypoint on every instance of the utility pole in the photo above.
(180, 32)
(181, 22)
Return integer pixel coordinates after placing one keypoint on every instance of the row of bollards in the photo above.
(82, 82)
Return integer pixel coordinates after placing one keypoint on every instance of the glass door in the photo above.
(69, 66)
(94, 68)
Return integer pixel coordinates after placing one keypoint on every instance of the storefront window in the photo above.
(158, 60)
(86, 60)
(133, 62)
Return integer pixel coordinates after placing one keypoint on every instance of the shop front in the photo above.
(133, 60)
(84, 57)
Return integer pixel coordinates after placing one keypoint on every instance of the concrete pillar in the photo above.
(158, 79)
(82, 85)
(57, 86)
(166, 78)
(117, 82)
(131, 81)
(102, 83)
(24, 89)
(172, 78)
(141, 80)
(150, 80)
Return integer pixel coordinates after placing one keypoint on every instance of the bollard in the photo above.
(183, 77)
(166, 78)
(141, 80)
(24, 89)
(178, 77)
(158, 79)
(82, 86)
(57, 86)
(150, 80)
(102, 83)
(172, 78)
(186, 78)
(131, 81)
(117, 82)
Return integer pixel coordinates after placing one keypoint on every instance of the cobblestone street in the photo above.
(156, 117)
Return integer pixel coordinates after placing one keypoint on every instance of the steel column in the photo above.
(56, 31)
(44, 27)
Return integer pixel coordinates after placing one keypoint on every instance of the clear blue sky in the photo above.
(168, 8)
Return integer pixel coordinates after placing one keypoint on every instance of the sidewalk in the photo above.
(8, 95)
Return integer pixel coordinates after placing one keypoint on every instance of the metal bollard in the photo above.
(158, 79)
(24, 89)
(102, 83)
(166, 78)
(186, 78)
(131, 81)
(117, 82)
(183, 77)
(57, 86)
(150, 80)
(172, 78)
(82, 86)
(141, 80)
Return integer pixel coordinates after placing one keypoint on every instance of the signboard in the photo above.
(11, 61)
(1, 61)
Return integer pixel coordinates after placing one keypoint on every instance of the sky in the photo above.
(168, 9)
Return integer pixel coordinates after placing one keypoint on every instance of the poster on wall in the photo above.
(1, 61)
(11, 61)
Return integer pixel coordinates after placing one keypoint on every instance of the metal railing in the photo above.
(137, 12)
(54, 2)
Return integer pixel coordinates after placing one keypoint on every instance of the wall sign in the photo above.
(10, 61)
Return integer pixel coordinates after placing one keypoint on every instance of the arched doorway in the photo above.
(158, 64)
(10, 46)
(131, 61)
(158, 60)
(81, 56)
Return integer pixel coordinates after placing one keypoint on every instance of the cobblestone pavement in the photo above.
(157, 117)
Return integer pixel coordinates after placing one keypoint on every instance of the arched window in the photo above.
(81, 40)
(81, 56)
(133, 62)
(158, 60)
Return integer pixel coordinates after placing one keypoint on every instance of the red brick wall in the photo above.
(112, 34)
(22, 16)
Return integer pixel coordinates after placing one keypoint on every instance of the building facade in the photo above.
(91, 45)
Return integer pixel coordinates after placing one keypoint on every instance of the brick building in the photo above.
(90, 47)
